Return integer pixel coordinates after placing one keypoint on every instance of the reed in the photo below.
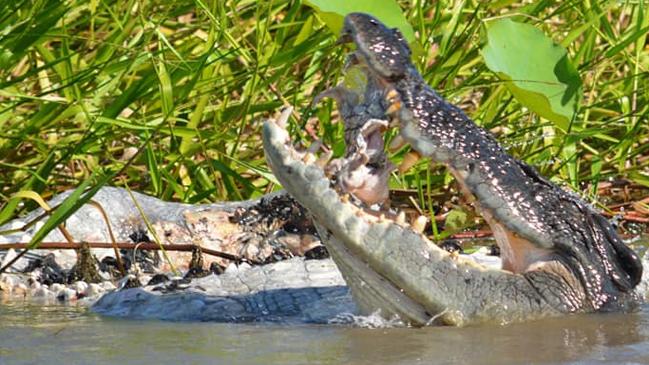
(168, 98)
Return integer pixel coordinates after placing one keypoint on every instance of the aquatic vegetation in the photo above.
(168, 98)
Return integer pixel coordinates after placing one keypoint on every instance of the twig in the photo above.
(127, 246)
(149, 226)
(118, 257)
(472, 234)
(628, 217)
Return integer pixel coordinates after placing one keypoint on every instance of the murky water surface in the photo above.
(33, 334)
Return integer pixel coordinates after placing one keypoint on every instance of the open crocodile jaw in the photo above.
(583, 266)
(394, 269)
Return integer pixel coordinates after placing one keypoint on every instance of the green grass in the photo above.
(186, 85)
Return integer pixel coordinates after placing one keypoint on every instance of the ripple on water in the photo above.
(60, 334)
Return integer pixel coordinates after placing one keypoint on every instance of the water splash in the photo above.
(374, 320)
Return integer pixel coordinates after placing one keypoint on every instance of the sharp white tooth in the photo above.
(282, 121)
(397, 142)
(409, 160)
(394, 101)
(419, 224)
(392, 94)
(309, 158)
(401, 218)
(324, 159)
(315, 146)
(393, 108)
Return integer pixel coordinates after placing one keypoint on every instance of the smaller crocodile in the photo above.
(559, 255)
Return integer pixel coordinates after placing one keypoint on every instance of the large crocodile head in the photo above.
(559, 255)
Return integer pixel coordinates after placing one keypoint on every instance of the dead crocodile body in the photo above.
(289, 291)
(559, 255)
(257, 231)
(277, 289)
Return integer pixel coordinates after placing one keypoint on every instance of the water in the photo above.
(34, 334)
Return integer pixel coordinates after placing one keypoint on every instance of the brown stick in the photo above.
(123, 245)
(629, 217)
(483, 234)
(118, 257)
(472, 234)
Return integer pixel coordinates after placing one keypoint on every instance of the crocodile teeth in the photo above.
(391, 94)
(409, 160)
(401, 219)
(322, 161)
(394, 102)
(282, 121)
(419, 224)
(393, 108)
(315, 146)
(309, 158)
(397, 142)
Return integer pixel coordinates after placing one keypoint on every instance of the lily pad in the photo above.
(332, 13)
(535, 69)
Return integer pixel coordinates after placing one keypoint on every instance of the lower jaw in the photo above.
(388, 265)
(371, 291)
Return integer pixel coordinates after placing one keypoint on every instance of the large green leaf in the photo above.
(332, 13)
(536, 70)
